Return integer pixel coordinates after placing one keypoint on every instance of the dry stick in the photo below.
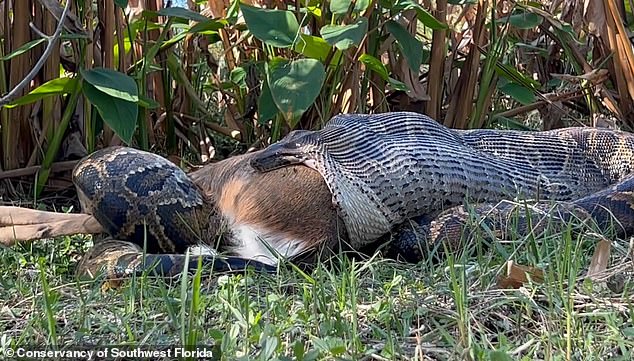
(27, 171)
(10, 216)
(533, 106)
(86, 224)
(51, 41)
(23, 224)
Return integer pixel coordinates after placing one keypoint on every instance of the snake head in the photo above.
(296, 148)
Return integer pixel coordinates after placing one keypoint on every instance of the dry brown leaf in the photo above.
(600, 259)
(517, 275)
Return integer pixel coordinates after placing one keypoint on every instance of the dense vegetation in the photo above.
(225, 76)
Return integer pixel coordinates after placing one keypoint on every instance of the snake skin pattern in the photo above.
(142, 199)
(387, 168)
(400, 174)
(609, 211)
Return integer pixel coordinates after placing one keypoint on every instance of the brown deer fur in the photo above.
(289, 207)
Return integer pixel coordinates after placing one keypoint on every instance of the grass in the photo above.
(372, 309)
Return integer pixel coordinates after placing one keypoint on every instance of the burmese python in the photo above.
(382, 170)
(142, 199)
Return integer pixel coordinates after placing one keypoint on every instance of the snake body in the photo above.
(142, 199)
(384, 169)
(139, 195)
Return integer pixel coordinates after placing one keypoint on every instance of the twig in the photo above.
(51, 41)
(56, 167)
(549, 99)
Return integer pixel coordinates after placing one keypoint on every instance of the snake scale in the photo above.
(382, 170)
(142, 199)
(386, 168)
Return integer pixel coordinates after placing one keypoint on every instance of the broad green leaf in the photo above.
(207, 26)
(523, 20)
(119, 114)
(424, 16)
(518, 92)
(58, 86)
(267, 109)
(312, 47)
(375, 65)
(344, 36)
(295, 85)
(341, 6)
(121, 3)
(410, 47)
(112, 82)
(24, 48)
(182, 13)
(397, 84)
(314, 10)
(277, 28)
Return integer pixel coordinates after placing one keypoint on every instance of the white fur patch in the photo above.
(263, 246)
(202, 250)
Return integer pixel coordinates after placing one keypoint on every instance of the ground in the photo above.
(346, 309)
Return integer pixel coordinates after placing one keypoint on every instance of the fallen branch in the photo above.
(22, 224)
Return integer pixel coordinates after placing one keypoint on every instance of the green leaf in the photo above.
(339, 7)
(277, 28)
(344, 36)
(112, 82)
(410, 47)
(182, 13)
(119, 114)
(628, 332)
(523, 20)
(511, 73)
(397, 84)
(148, 103)
(498, 355)
(129, 36)
(267, 109)
(424, 16)
(294, 85)
(238, 76)
(121, 3)
(206, 27)
(518, 92)
(24, 48)
(58, 86)
(312, 47)
(375, 65)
